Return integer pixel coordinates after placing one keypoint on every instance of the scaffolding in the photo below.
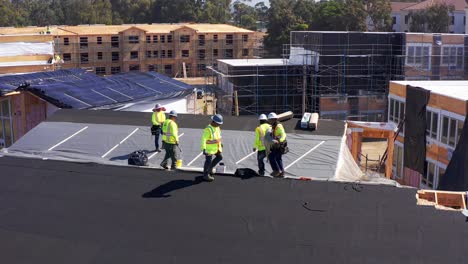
(341, 75)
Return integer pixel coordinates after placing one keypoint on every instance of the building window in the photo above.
(185, 38)
(169, 38)
(148, 39)
(201, 40)
(99, 55)
(169, 53)
(6, 127)
(114, 42)
(66, 41)
(148, 54)
(133, 39)
(163, 54)
(428, 178)
(67, 57)
(201, 67)
(84, 58)
(168, 69)
(100, 70)
(215, 53)
(464, 21)
(393, 20)
(418, 55)
(155, 54)
(245, 38)
(215, 38)
(134, 55)
(115, 70)
(432, 124)
(155, 39)
(245, 52)
(83, 42)
(162, 39)
(451, 131)
(452, 56)
(452, 20)
(134, 67)
(115, 56)
(228, 54)
(229, 39)
(396, 112)
(406, 19)
(201, 54)
(151, 67)
(398, 161)
(99, 40)
(185, 53)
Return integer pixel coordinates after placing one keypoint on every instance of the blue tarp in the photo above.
(78, 89)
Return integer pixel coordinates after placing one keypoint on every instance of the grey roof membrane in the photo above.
(312, 156)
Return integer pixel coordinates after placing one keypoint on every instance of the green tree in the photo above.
(436, 19)
(244, 15)
(8, 15)
(379, 13)
(215, 11)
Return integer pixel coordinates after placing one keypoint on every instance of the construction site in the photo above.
(341, 75)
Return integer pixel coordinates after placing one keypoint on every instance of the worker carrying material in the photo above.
(279, 146)
(211, 145)
(259, 144)
(157, 119)
(170, 140)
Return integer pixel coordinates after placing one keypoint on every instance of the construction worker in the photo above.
(157, 119)
(170, 139)
(259, 144)
(279, 140)
(211, 145)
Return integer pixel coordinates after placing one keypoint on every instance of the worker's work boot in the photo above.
(208, 178)
(281, 174)
(261, 173)
(275, 173)
(164, 166)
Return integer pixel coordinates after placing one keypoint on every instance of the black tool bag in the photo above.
(138, 158)
(284, 147)
(155, 130)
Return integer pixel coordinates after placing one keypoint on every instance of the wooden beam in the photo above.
(389, 163)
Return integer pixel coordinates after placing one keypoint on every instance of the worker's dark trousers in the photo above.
(156, 138)
(171, 153)
(276, 160)
(261, 155)
(210, 163)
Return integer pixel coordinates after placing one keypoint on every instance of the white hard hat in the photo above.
(272, 116)
(262, 117)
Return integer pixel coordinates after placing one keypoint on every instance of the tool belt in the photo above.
(282, 147)
(155, 130)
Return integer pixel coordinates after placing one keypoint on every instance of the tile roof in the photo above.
(116, 29)
(398, 6)
(459, 5)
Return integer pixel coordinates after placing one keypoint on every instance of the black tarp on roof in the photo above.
(58, 212)
(456, 174)
(79, 89)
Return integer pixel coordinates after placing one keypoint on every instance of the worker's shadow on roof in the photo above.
(163, 191)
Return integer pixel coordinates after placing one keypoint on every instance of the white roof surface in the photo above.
(454, 89)
(256, 62)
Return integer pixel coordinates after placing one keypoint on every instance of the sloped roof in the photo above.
(116, 29)
(459, 5)
(398, 6)
(79, 89)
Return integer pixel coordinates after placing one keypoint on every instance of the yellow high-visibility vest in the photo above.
(158, 118)
(170, 132)
(279, 133)
(260, 132)
(211, 140)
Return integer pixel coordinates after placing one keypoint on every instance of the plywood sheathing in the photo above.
(443, 200)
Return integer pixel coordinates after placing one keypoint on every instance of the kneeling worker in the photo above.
(170, 138)
(259, 144)
(211, 145)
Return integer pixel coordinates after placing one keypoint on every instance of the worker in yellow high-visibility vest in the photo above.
(279, 142)
(259, 144)
(170, 138)
(211, 146)
(157, 119)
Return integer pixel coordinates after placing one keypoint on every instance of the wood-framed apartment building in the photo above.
(165, 48)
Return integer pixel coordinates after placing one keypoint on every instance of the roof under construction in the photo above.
(116, 29)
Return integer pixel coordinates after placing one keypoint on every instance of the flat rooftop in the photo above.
(61, 212)
(256, 62)
(454, 89)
